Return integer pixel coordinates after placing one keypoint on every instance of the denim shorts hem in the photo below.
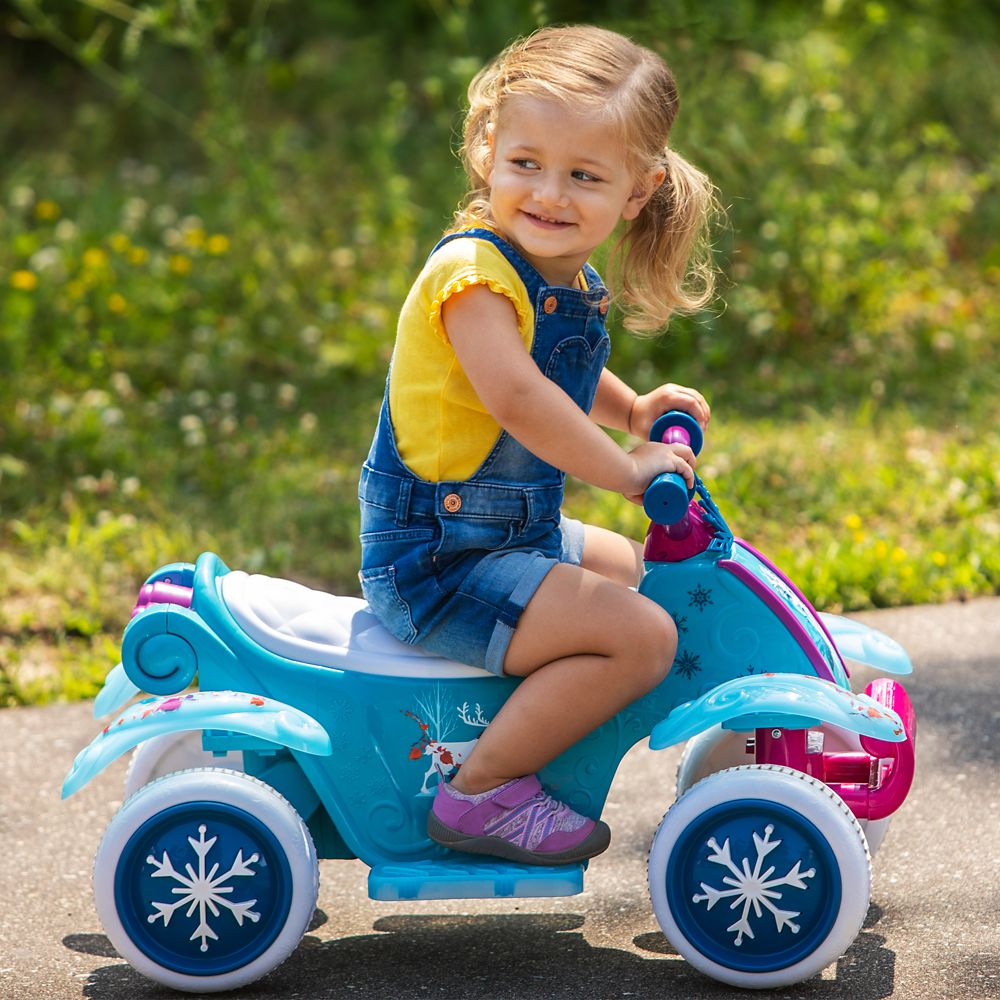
(573, 533)
(503, 631)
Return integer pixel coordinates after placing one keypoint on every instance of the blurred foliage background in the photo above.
(210, 213)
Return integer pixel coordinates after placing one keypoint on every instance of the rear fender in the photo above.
(789, 701)
(233, 711)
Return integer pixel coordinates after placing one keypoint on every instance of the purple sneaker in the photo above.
(516, 821)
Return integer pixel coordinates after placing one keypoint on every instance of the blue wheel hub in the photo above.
(203, 888)
(753, 885)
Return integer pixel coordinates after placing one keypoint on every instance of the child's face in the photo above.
(559, 184)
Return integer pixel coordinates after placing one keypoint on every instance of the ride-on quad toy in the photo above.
(314, 734)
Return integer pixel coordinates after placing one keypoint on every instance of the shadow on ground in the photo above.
(522, 956)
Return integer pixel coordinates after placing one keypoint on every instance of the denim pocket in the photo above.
(473, 534)
(575, 366)
(380, 590)
(386, 547)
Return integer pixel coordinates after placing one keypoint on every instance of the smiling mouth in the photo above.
(546, 222)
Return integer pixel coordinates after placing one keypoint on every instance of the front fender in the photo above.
(235, 711)
(866, 645)
(782, 700)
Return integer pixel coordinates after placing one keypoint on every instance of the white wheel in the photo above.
(709, 752)
(170, 752)
(716, 749)
(760, 876)
(160, 896)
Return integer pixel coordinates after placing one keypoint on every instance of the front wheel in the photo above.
(206, 880)
(717, 749)
(759, 876)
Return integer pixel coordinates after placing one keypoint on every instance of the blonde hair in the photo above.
(662, 262)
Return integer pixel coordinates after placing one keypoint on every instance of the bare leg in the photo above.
(587, 646)
(612, 555)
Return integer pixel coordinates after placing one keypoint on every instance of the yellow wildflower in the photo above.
(94, 258)
(217, 244)
(853, 522)
(195, 238)
(138, 255)
(47, 211)
(24, 281)
(180, 264)
(117, 303)
(898, 554)
(939, 558)
(119, 242)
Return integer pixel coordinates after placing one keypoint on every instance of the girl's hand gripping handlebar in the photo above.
(667, 497)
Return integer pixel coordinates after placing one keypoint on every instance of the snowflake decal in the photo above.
(203, 891)
(753, 889)
(700, 597)
(681, 622)
(688, 664)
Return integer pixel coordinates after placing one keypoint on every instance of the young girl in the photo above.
(498, 388)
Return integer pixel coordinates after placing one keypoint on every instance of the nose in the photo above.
(549, 190)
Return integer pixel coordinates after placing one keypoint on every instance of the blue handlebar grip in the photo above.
(666, 498)
(682, 420)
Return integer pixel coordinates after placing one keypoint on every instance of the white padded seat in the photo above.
(309, 626)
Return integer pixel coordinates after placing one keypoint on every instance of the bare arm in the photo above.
(613, 402)
(482, 328)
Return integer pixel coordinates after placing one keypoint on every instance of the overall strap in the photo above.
(533, 281)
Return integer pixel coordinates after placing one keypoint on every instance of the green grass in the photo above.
(210, 214)
(860, 512)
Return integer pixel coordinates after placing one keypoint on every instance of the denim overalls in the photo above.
(450, 566)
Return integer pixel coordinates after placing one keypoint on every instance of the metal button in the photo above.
(603, 305)
(452, 503)
(550, 304)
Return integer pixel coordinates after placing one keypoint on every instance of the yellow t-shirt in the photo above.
(442, 429)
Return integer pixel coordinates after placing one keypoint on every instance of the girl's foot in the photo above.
(516, 821)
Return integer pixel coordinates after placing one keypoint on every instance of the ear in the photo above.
(643, 192)
(491, 141)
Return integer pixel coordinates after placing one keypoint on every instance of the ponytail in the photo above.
(663, 261)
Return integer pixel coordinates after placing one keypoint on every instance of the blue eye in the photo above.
(524, 164)
(583, 175)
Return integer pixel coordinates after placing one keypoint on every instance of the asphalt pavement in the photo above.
(931, 932)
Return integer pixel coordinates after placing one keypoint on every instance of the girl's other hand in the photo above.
(652, 458)
(647, 408)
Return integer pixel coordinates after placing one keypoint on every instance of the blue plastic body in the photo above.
(344, 747)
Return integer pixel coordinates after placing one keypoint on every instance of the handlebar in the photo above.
(667, 497)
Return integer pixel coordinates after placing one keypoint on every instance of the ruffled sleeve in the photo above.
(470, 261)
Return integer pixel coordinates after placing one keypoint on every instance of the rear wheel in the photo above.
(171, 752)
(206, 880)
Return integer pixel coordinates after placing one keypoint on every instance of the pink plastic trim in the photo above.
(898, 777)
(798, 633)
(162, 593)
(795, 590)
(676, 542)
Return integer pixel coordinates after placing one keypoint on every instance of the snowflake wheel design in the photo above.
(688, 664)
(754, 890)
(203, 890)
(700, 597)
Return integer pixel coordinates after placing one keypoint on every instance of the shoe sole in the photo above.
(595, 843)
